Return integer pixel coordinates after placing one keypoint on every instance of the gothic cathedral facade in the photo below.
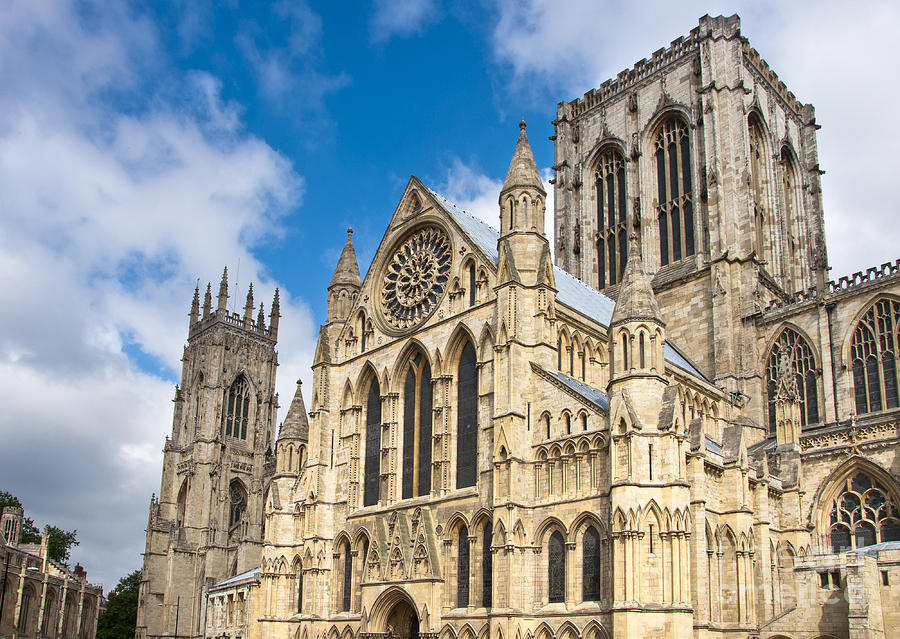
(682, 428)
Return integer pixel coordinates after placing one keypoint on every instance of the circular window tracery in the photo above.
(416, 277)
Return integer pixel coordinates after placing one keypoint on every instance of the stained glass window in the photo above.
(237, 409)
(238, 503)
(467, 418)
(417, 424)
(675, 212)
(590, 568)
(874, 354)
(612, 249)
(462, 568)
(373, 445)
(556, 567)
(348, 577)
(791, 355)
(863, 514)
(487, 566)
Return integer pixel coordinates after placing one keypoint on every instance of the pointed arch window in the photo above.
(372, 472)
(590, 567)
(462, 568)
(863, 514)
(556, 568)
(487, 566)
(758, 193)
(789, 184)
(238, 503)
(612, 248)
(874, 355)
(417, 426)
(791, 370)
(237, 409)
(675, 207)
(471, 284)
(346, 590)
(300, 589)
(467, 418)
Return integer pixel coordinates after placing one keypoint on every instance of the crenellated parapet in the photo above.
(221, 315)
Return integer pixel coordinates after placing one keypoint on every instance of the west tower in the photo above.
(206, 524)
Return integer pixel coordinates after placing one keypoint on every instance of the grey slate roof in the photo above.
(571, 291)
(253, 572)
(588, 392)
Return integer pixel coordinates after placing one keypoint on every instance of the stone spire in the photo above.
(345, 283)
(296, 423)
(249, 306)
(195, 305)
(207, 301)
(636, 300)
(523, 171)
(275, 314)
(347, 271)
(223, 290)
(261, 318)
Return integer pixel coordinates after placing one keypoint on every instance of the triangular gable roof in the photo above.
(588, 394)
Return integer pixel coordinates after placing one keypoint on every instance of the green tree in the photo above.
(119, 618)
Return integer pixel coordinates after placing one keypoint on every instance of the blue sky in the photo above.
(142, 149)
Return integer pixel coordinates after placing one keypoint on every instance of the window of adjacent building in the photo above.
(675, 208)
(417, 423)
(612, 244)
(556, 568)
(237, 409)
(791, 375)
(238, 503)
(372, 472)
(487, 566)
(590, 567)
(467, 418)
(462, 568)
(874, 356)
(863, 514)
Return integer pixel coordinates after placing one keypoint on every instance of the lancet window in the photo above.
(590, 567)
(863, 514)
(417, 427)
(612, 245)
(462, 568)
(238, 503)
(237, 409)
(758, 184)
(467, 418)
(791, 376)
(874, 356)
(372, 472)
(346, 590)
(556, 568)
(487, 566)
(675, 208)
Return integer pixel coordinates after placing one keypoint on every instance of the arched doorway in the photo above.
(402, 621)
(394, 616)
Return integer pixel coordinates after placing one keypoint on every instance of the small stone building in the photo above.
(40, 598)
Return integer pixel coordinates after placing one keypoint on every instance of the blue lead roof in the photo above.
(571, 291)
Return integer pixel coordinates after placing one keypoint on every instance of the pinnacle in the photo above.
(523, 171)
(636, 299)
(347, 270)
(296, 423)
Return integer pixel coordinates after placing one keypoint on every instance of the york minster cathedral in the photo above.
(679, 426)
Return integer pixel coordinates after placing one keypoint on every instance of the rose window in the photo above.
(416, 278)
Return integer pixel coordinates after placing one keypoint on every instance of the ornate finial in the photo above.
(261, 318)
(195, 304)
(299, 382)
(349, 232)
(522, 125)
(207, 300)
(223, 290)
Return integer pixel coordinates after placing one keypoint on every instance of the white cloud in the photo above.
(109, 214)
(401, 19)
(566, 47)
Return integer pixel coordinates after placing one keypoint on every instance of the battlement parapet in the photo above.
(642, 69)
(232, 319)
(874, 273)
(762, 67)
